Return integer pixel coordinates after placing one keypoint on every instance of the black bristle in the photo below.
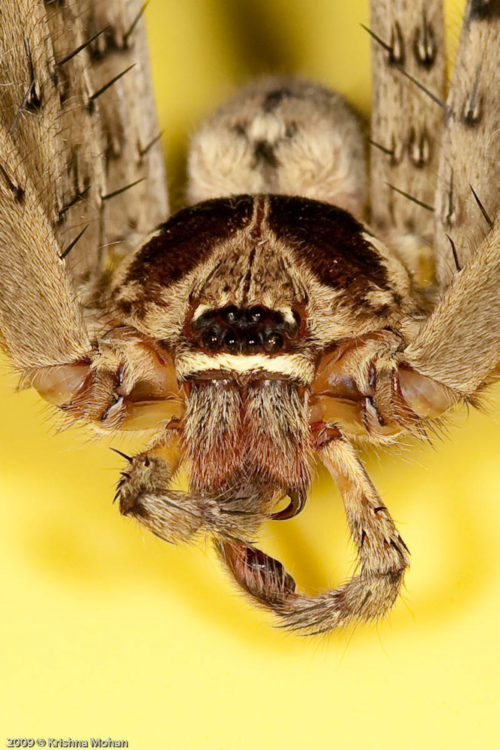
(454, 251)
(73, 242)
(81, 47)
(134, 23)
(380, 41)
(384, 149)
(411, 197)
(488, 218)
(122, 454)
(399, 66)
(144, 151)
(436, 99)
(106, 86)
(122, 189)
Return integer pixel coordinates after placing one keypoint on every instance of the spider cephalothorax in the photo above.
(286, 314)
(247, 350)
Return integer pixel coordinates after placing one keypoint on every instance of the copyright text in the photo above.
(64, 742)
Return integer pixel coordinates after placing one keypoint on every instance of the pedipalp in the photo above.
(382, 554)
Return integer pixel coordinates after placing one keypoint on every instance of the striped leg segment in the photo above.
(383, 558)
(468, 195)
(408, 71)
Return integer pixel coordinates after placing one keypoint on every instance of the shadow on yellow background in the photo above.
(109, 632)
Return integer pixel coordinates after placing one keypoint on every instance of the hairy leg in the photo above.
(459, 344)
(383, 556)
(82, 151)
(469, 164)
(406, 125)
(125, 381)
(40, 322)
(144, 493)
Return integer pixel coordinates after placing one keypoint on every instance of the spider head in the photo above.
(246, 372)
(243, 373)
(263, 274)
(231, 306)
(245, 294)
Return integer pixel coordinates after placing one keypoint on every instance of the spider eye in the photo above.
(273, 342)
(253, 342)
(255, 314)
(231, 342)
(231, 315)
(241, 330)
(212, 338)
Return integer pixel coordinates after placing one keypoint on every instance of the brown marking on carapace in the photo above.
(187, 239)
(484, 10)
(248, 275)
(330, 242)
(260, 211)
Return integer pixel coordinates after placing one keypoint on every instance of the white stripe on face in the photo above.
(295, 366)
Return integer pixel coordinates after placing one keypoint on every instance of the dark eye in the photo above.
(212, 338)
(273, 342)
(231, 341)
(255, 315)
(231, 315)
(253, 342)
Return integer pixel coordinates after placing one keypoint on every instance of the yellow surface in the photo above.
(108, 632)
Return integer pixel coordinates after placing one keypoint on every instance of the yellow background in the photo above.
(108, 631)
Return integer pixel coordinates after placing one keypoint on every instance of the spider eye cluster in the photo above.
(249, 330)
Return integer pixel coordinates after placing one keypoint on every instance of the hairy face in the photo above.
(253, 429)
(246, 404)
(246, 294)
(286, 254)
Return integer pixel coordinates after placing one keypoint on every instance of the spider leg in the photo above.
(408, 64)
(469, 171)
(124, 382)
(40, 322)
(380, 386)
(459, 345)
(135, 199)
(260, 575)
(144, 493)
(76, 99)
(383, 556)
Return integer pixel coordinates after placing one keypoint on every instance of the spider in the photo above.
(300, 305)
